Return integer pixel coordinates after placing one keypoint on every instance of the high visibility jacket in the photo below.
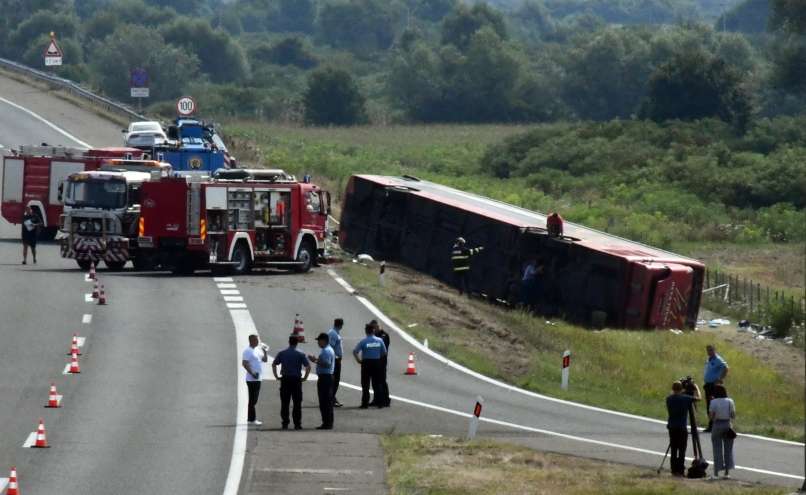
(460, 257)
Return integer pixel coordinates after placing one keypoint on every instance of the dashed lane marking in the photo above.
(226, 286)
(345, 472)
(236, 305)
(80, 341)
(66, 369)
(29, 441)
(87, 278)
(222, 279)
(233, 298)
(3, 483)
(88, 297)
(230, 292)
(86, 319)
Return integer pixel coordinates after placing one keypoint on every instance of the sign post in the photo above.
(138, 86)
(186, 106)
(53, 54)
(474, 419)
(566, 369)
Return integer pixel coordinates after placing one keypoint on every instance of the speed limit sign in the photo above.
(186, 106)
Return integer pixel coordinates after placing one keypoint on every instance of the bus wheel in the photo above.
(305, 257)
(242, 259)
(84, 264)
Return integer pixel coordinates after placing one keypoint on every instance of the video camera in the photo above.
(688, 385)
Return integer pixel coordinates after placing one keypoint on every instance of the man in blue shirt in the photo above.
(716, 369)
(291, 361)
(678, 405)
(371, 349)
(325, 366)
(334, 336)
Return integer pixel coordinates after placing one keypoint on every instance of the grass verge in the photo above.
(445, 466)
(628, 371)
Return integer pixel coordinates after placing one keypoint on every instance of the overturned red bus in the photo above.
(590, 276)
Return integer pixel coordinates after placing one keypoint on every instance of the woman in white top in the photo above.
(722, 412)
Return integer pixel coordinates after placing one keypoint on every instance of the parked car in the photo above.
(144, 134)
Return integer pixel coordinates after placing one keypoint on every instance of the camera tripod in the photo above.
(699, 458)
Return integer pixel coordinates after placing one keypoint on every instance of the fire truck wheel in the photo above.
(306, 257)
(84, 264)
(242, 258)
(115, 266)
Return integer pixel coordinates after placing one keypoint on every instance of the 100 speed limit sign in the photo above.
(186, 106)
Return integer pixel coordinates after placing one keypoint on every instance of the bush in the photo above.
(781, 316)
(333, 98)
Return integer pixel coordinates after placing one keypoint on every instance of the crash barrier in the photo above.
(72, 88)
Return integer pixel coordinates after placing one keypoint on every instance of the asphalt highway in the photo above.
(154, 409)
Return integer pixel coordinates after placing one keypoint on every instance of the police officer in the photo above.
(382, 397)
(460, 259)
(292, 361)
(325, 365)
(334, 335)
(716, 369)
(371, 349)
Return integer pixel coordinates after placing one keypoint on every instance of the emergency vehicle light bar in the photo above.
(253, 174)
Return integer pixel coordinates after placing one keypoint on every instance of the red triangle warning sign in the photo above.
(53, 49)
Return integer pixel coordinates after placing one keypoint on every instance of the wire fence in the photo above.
(745, 294)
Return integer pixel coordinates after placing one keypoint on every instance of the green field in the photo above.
(446, 466)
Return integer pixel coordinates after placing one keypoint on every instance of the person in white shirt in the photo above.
(722, 411)
(252, 362)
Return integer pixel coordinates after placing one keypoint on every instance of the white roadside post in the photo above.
(566, 369)
(474, 419)
(382, 274)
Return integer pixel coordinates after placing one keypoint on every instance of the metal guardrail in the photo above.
(72, 88)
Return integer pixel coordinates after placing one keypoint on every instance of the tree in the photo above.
(293, 16)
(433, 10)
(169, 68)
(788, 15)
(695, 85)
(460, 25)
(362, 26)
(292, 51)
(221, 57)
(333, 98)
(39, 24)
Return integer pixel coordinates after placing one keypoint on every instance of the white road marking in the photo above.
(341, 281)
(346, 472)
(229, 292)
(80, 341)
(559, 435)
(87, 278)
(235, 305)
(244, 326)
(88, 298)
(86, 319)
(222, 279)
(226, 286)
(66, 369)
(233, 298)
(47, 123)
(3, 483)
(30, 440)
(412, 341)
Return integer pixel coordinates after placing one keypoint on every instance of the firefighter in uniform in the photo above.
(460, 258)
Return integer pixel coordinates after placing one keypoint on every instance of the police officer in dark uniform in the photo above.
(292, 361)
(371, 349)
(382, 398)
(460, 259)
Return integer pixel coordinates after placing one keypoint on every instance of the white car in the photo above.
(144, 134)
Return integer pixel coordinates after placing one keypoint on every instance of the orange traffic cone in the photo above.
(92, 270)
(102, 297)
(74, 367)
(53, 397)
(74, 349)
(41, 439)
(299, 329)
(410, 369)
(13, 489)
(95, 292)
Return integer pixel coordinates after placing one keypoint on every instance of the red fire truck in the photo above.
(33, 175)
(239, 219)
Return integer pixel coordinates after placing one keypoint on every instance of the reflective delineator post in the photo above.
(566, 369)
(474, 419)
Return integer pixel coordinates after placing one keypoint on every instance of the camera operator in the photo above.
(678, 404)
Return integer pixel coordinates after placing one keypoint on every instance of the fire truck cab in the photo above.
(239, 219)
(32, 176)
